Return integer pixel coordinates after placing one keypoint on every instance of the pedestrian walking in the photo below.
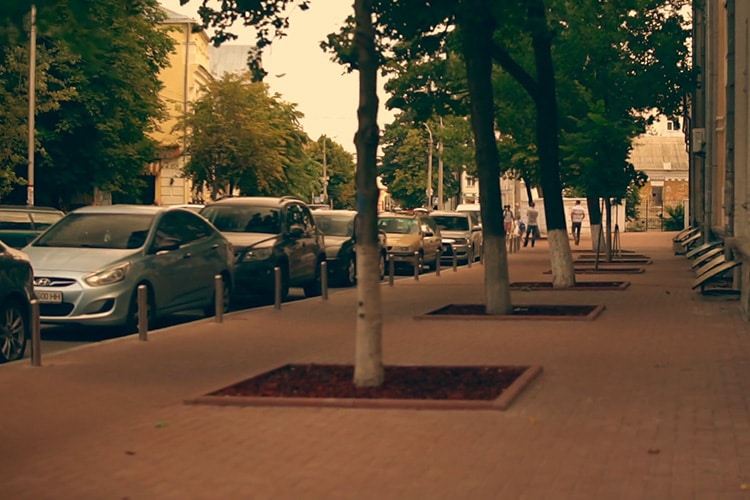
(577, 214)
(508, 219)
(532, 228)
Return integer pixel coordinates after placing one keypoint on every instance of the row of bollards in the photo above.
(142, 299)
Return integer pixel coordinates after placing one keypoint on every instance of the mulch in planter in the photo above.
(616, 260)
(525, 312)
(530, 286)
(605, 270)
(331, 385)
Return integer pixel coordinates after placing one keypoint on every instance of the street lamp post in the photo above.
(428, 190)
(32, 106)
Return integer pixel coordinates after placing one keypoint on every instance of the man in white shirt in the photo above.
(577, 214)
(532, 229)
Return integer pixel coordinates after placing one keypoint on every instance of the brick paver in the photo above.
(649, 401)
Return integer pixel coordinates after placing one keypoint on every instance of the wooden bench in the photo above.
(714, 271)
(706, 256)
(679, 239)
(697, 251)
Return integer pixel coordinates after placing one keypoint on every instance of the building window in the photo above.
(470, 181)
(657, 195)
(673, 125)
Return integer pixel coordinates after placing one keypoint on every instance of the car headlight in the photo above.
(257, 254)
(108, 276)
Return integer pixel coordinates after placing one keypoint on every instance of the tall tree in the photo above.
(241, 137)
(98, 137)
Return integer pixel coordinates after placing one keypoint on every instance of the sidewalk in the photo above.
(648, 401)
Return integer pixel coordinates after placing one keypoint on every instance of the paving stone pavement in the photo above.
(648, 401)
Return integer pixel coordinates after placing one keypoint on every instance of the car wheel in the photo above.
(131, 326)
(13, 331)
(210, 309)
(350, 278)
(313, 288)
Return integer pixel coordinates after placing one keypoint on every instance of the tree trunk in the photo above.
(548, 147)
(608, 213)
(368, 359)
(477, 27)
(595, 223)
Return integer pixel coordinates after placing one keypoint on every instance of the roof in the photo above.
(659, 154)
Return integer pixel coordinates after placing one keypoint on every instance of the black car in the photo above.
(266, 233)
(19, 224)
(16, 292)
(338, 226)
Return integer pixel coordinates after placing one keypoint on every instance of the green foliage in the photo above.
(243, 137)
(340, 169)
(98, 94)
(676, 220)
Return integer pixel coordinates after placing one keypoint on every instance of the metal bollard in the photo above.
(455, 261)
(324, 280)
(36, 336)
(437, 262)
(391, 269)
(416, 266)
(142, 312)
(219, 301)
(469, 257)
(277, 287)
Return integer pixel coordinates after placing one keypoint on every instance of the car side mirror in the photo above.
(476, 228)
(167, 244)
(296, 230)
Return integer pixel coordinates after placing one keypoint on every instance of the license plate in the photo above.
(49, 297)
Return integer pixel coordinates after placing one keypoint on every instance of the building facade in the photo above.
(719, 132)
(183, 80)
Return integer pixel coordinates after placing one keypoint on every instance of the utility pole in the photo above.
(440, 167)
(325, 172)
(428, 190)
(32, 106)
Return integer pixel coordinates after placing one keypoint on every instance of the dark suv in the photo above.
(267, 233)
(20, 224)
(16, 292)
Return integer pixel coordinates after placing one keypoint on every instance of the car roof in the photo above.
(268, 201)
(403, 216)
(29, 208)
(447, 213)
(335, 212)
(126, 209)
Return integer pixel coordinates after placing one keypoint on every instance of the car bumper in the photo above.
(253, 278)
(80, 304)
(448, 250)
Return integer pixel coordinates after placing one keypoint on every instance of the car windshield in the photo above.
(335, 225)
(398, 225)
(97, 230)
(244, 219)
(452, 222)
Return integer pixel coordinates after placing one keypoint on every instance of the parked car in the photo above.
(19, 224)
(89, 265)
(473, 209)
(413, 239)
(460, 236)
(267, 233)
(16, 292)
(339, 228)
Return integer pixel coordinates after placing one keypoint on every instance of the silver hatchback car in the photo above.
(88, 266)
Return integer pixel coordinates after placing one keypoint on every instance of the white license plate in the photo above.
(48, 297)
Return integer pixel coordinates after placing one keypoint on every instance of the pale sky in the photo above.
(321, 88)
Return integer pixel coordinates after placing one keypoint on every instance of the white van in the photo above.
(473, 210)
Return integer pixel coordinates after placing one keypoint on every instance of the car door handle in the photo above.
(187, 255)
(215, 246)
